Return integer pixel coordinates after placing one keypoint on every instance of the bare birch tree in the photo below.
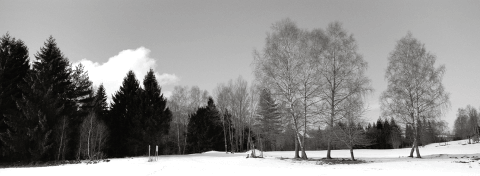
(93, 138)
(342, 74)
(234, 98)
(349, 131)
(279, 69)
(183, 102)
(415, 90)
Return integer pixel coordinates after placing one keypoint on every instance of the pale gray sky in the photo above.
(208, 42)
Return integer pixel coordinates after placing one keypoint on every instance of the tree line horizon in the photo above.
(309, 93)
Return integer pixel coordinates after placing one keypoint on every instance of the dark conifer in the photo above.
(269, 119)
(156, 115)
(100, 105)
(123, 119)
(395, 134)
(46, 104)
(14, 66)
(205, 131)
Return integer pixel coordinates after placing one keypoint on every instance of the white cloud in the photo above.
(112, 72)
(167, 79)
(167, 94)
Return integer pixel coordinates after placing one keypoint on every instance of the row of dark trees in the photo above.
(386, 134)
(42, 104)
(138, 117)
(49, 110)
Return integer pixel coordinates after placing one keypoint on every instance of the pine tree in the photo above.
(14, 66)
(380, 138)
(78, 108)
(387, 131)
(420, 134)
(46, 104)
(100, 105)
(409, 135)
(205, 131)
(123, 120)
(269, 119)
(395, 134)
(157, 116)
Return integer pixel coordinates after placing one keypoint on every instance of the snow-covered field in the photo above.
(454, 159)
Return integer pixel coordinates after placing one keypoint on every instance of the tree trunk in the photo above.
(302, 147)
(88, 139)
(413, 149)
(351, 154)
(61, 139)
(225, 134)
(178, 138)
(232, 147)
(418, 151)
(296, 149)
(304, 154)
(185, 144)
(329, 143)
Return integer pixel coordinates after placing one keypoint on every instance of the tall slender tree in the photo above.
(157, 116)
(415, 89)
(342, 70)
(123, 119)
(279, 69)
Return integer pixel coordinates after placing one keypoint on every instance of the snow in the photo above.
(437, 160)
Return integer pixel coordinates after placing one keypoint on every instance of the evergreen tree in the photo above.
(420, 132)
(100, 106)
(81, 97)
(14, 66)
(157, 116)
(409, 135)
(386, 135)
(45, 103)
(205, 131)
(380, 138)
(269, 119)
(395, 134)
(123, 120)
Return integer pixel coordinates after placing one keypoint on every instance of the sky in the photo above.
(205, 43)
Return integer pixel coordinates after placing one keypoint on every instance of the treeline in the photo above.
(467, 125)
(49, 110)
(386, 134)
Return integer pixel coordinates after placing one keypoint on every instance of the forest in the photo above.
(309, 93)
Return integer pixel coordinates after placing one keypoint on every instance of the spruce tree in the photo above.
(269, 119)
(386, 135)
(78, 107)
(156, 116)
(45, 103)
(100, 106)
(123, 120)
(14, 66)
(205, 131)
(409, 135)
(395, 134)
